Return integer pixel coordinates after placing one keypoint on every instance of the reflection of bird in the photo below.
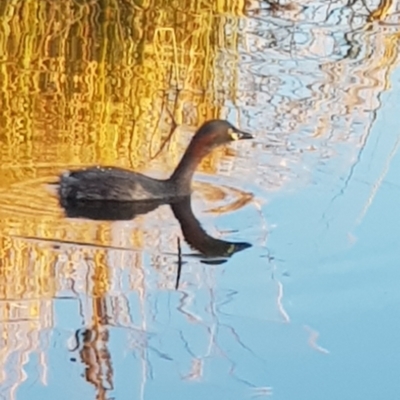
(196, 236)
(192, 231)
(117, 184)
(108, 210)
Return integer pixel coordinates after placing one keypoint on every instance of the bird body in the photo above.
(118, 184)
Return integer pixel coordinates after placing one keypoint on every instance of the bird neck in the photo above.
(183, 174)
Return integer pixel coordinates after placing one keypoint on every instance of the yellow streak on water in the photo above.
(381, 12)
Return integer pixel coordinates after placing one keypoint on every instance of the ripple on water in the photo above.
(307, 79)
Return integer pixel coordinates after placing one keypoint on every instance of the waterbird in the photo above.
(122, 185)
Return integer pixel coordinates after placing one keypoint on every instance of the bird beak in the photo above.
(237, 134)
(243, 135)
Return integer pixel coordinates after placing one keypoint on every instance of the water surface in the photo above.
(90, 309)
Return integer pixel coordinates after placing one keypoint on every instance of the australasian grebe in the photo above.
(117, 184)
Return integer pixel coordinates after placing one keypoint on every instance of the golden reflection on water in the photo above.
(87, 84)
(99, 86)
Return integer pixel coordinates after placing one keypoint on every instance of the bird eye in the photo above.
(234, 135)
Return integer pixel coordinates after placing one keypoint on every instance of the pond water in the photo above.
(95, 309)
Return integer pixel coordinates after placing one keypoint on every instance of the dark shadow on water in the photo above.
(215, 250)
(107, 210)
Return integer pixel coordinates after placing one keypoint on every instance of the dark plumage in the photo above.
(117, 184)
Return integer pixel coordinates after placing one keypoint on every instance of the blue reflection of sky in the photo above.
(339, 241)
